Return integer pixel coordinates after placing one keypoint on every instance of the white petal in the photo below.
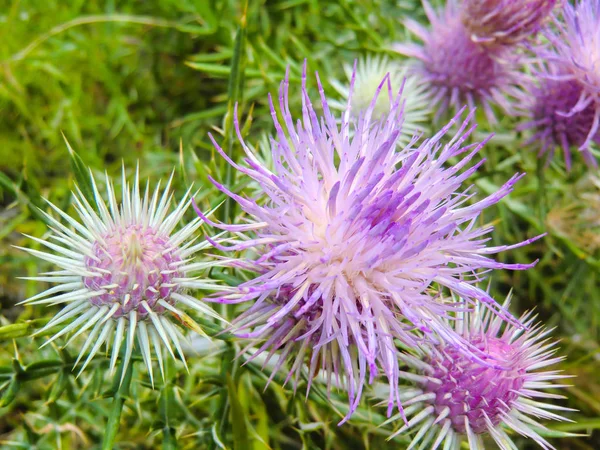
(104, 337)
(175, 339)
(145, 348)
(130, 342)
(442, 435)
(159, 328)
(73, 325)
(60, 288)
(117, 344)
(65, 314)
(158, 351)
(195, 304)
(95, 318)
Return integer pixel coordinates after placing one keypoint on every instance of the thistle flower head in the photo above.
(557, 116)
(459, 397)
(457, 70)
(354, 237)
(575, 55)
(577, 43)
(364, 79)
(123, 271)
(504, 22)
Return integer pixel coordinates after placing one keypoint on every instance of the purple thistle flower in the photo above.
(578, 42)
(459, 71)
(123, 272)
(557, 116)
(575, 49)
(458, 397)
(354, 236)
(504, 22)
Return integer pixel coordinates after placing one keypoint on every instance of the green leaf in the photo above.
(8, 184)
(546, 432)
(15, 330)
(235, 92)
(58, 387)
(123, 381)
(82, 174)
(30, 196)
(216, 437)
(11, 391)
(238, 417)
(227, 71)
(43, 365)
(169, 440)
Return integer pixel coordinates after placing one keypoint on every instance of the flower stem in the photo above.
(114, 417)
(235, 93)
(541, 175)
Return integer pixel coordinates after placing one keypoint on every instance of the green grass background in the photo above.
(146, 81)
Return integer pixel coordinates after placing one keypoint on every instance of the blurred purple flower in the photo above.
(557, 116)
(574, 55)
(459, 71)
(577, 43)
(458, 398)
(504, 22)
(356, 240)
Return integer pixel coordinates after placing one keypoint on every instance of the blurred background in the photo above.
(146, 81)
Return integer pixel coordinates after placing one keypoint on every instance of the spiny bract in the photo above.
(364, 80)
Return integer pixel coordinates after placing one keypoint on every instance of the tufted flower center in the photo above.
(135, 265)
(474, 391)
(458, 63)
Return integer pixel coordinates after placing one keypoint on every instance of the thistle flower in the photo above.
(577, 42)
(366, 76)
(457, 70)
(459, 398)
(123, 272)
(576, 51)
(353, 238)
(557, 117)
(504, 22)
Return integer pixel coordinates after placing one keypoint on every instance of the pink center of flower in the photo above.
(135, 265)
(473, 391)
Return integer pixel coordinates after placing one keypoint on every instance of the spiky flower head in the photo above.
(123, 272)
(574, 55)
(504, 22)
(577, 43)
(459, 398)
(457, 70)
(557, 116)
(364, 79)
(356, 237)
